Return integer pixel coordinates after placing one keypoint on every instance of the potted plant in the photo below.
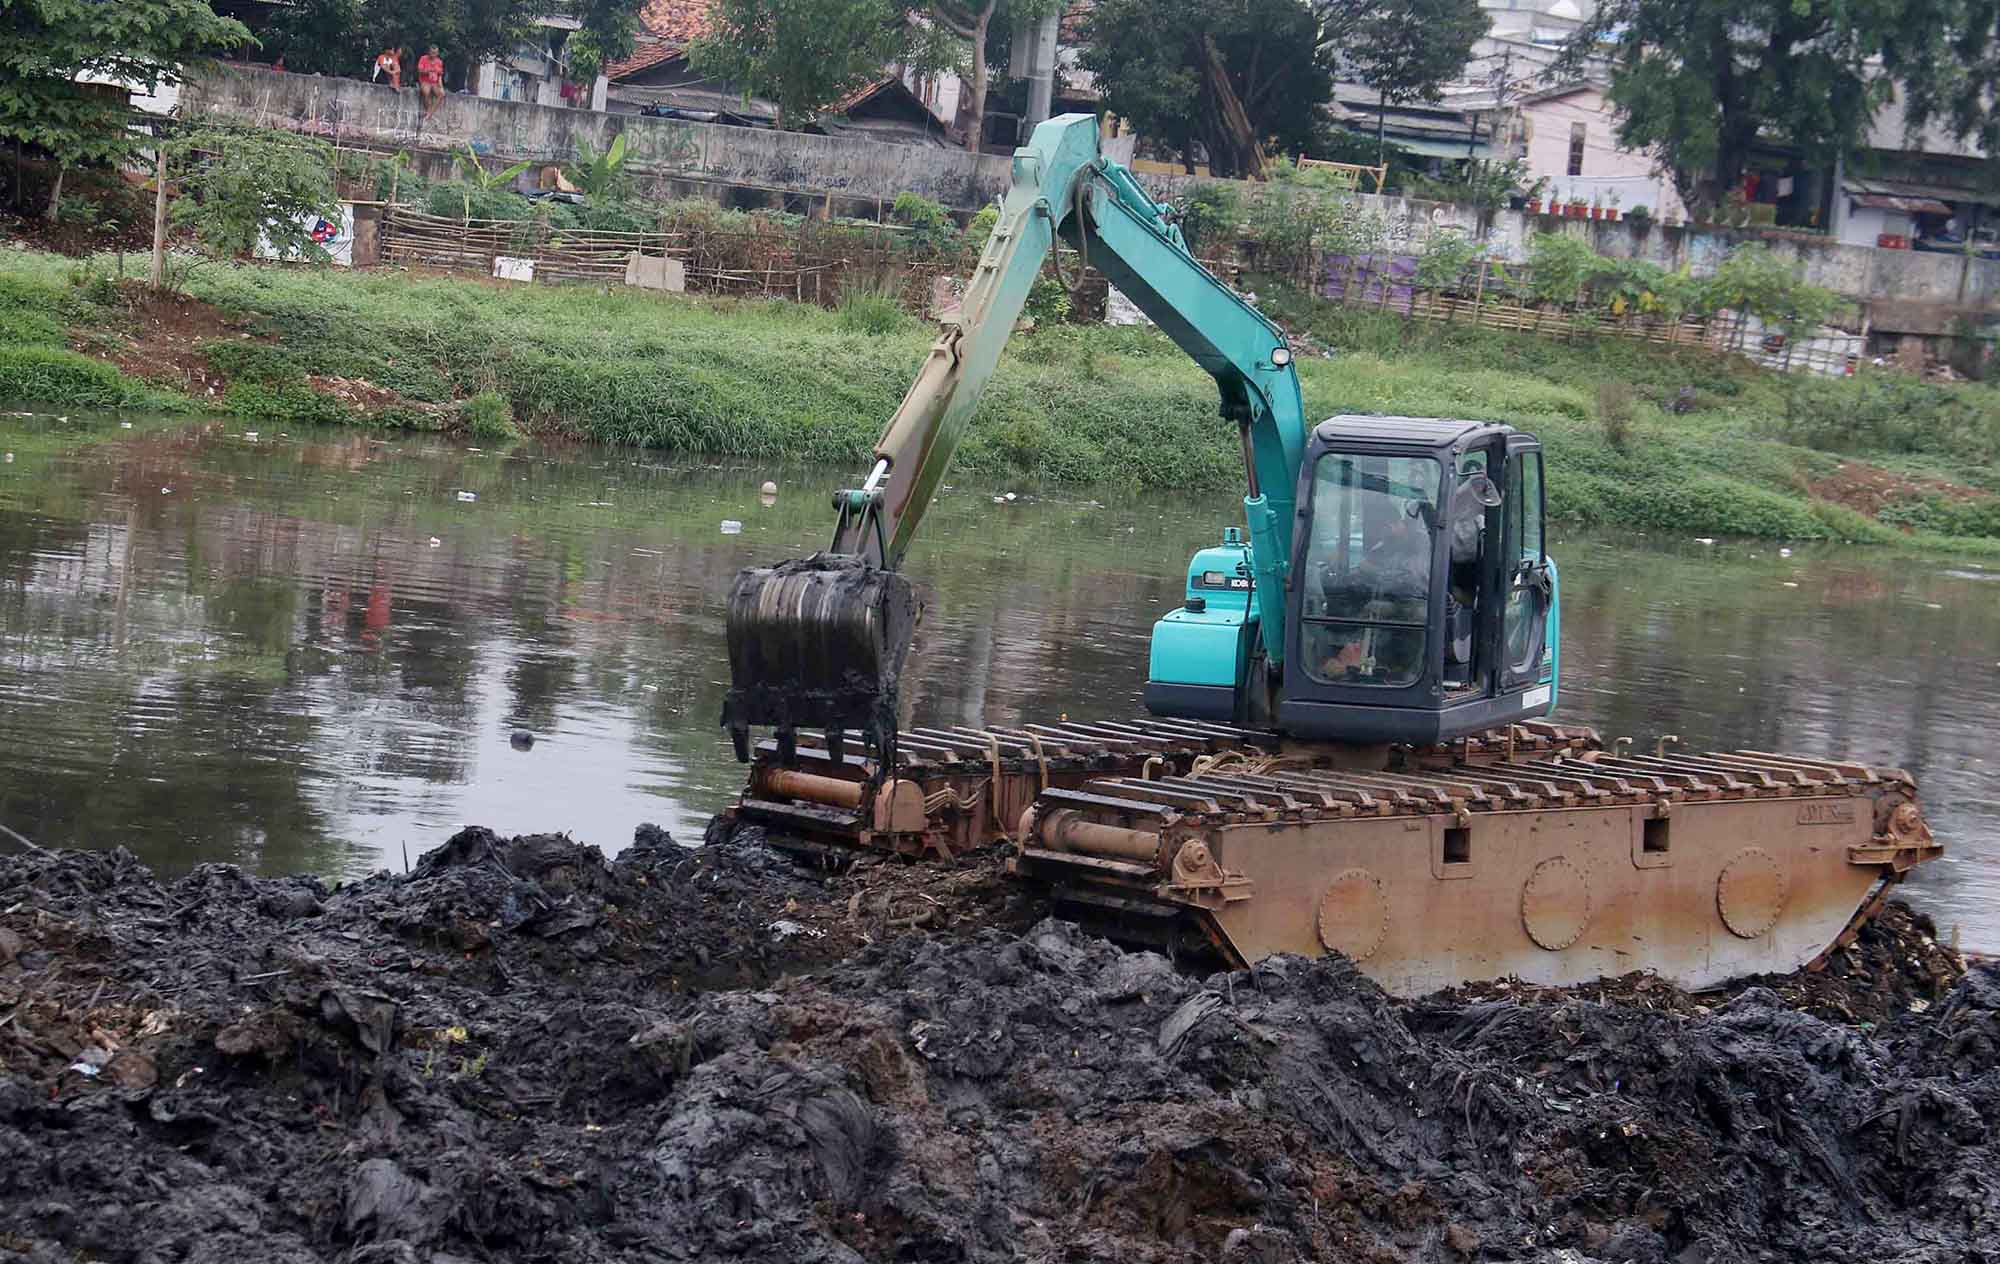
(1578, 208)
(1597, 205)
(1640, 214)
(1535, 191)
(1611, 211)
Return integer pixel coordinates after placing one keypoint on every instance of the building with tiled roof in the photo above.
(658, 80)
(666, 28)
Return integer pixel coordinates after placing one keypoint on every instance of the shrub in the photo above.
(55, 375)
(614, 215)
(1614, 413)
(22, 328)
(456, 199)
(870, 304)
(1753, 279)
(981, 227)
(1889, 413)
(292, 402)
(1210, 216)
(1978, 516)
(1444, 260)
(930, 225)
(242, 187)
(251, 362)
(488, 415)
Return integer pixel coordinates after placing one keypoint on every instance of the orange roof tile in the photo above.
(681, 20)
(666, 27)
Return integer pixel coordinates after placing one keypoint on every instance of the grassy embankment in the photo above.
(1755, 454)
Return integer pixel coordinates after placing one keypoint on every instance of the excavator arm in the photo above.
(820, 642)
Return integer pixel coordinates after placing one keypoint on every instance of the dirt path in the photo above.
(522, 1052)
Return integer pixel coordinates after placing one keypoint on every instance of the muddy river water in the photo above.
(313, 651)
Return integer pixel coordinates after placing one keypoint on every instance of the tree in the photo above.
(805, 55)
(974, 22)
(242, 186)
(610, 29)
(48, 44)
(1704, 81)
(342, 37)
(1407, 50)
(1230, 75)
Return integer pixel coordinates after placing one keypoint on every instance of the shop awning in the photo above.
(1914, 197)
(1896, 202)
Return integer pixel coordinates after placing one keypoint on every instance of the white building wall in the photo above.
(1607, 169)
(1865, 223)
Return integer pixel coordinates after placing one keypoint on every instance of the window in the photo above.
(1577, 132)
(1528, 511)
(1523, 507)
(1368, 569)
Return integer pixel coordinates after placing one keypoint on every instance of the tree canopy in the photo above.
(805, 55)
(242, 187)
(1407, 50)
(48, 44)
(1703, 81)
(1230, 74)
(342, 37)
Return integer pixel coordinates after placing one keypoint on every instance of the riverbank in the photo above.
(1684, 442)
(522, 1051)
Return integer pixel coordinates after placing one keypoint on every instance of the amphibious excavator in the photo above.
(1347, 747)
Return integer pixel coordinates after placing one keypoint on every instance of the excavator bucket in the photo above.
(817, 642)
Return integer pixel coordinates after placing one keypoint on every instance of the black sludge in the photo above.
(523, 1051)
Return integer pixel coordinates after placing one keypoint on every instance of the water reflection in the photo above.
(309, 651)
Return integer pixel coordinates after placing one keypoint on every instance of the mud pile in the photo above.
(521, 1051)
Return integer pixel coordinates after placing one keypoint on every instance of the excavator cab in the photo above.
(1422, 603)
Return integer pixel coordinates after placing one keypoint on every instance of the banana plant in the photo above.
(476, 174)
(599, 175)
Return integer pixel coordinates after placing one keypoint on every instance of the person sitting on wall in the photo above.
(430, 80)
(387, 62)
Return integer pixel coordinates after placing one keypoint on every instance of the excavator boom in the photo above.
(820, 642)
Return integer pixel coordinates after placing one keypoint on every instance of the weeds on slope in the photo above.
(1696, 442)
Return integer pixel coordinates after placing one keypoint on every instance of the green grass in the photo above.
(1070, 404)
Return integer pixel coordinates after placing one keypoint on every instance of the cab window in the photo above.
(1368, 569)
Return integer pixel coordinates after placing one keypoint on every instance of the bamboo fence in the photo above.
(1502, 297)
(807, 264)
(810, 264)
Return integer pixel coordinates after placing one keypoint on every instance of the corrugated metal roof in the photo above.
(1908, 205)
(1444, 148)
(1894, 194)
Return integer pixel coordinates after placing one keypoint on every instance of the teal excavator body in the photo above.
(1389, 582)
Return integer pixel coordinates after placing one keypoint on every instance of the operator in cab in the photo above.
(1387, 584)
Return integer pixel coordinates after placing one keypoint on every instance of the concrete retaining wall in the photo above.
(665, 149)
(1905, 291)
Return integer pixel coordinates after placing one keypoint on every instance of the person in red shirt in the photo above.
(430, 80)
